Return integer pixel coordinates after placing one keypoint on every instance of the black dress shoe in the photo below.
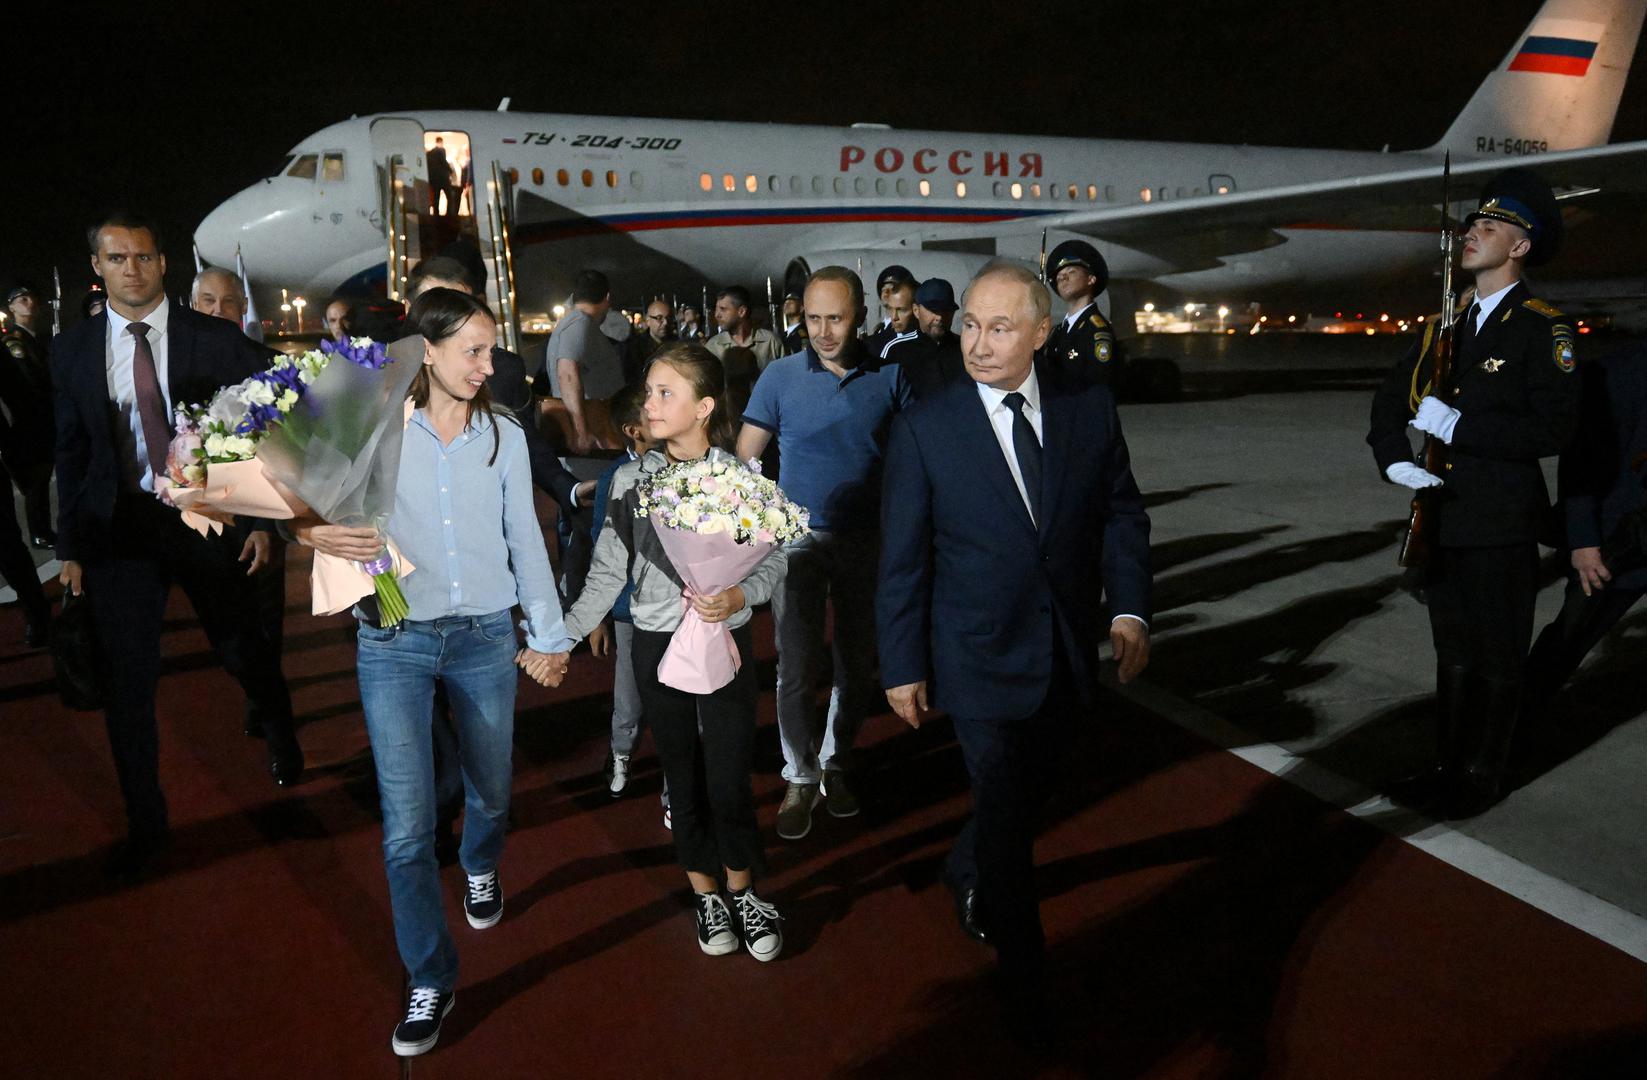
(43, 543)
(37, 632)
(135, 856)
(966, 909)
(285, 761)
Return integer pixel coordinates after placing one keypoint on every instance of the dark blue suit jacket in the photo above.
(970, 589)
(203, 355)
(1603, 475)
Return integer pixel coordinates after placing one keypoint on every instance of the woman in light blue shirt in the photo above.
(463, 515)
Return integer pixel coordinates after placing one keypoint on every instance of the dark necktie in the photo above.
(151, 404)
(1467, 330)
(1027, 448)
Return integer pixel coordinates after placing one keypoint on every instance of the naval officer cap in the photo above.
(21, 287)
(894, 275)
(1079, 253)
(1521, 197)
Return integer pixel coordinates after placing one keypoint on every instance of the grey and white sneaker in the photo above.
(758, 925)
(795, 812)
(425, 1009)
(483, 900)
(617, 774)
(715, 934)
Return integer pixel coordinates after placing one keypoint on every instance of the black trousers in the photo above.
(706, 743)
(152, 550)
(16, 564)
(35, 484)
(1481, 602)
(1011, 763)
(1562, 646)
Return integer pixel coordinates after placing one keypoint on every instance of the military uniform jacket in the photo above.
(1516, 388)
(26, 430)
(1083, 354)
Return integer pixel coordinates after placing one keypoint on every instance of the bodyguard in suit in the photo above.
(1015, 542)
(1603, 500)
(117, 377)
(1512, 397)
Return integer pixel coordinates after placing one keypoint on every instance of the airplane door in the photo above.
(401, 139)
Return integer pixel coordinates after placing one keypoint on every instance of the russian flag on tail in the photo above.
(1558, 47)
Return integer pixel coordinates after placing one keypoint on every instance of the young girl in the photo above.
(705, 741)
(463, 515)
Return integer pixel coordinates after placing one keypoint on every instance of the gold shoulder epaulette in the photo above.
(1098, 322)
(1549, 311)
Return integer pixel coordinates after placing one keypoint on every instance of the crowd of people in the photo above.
(976, 536)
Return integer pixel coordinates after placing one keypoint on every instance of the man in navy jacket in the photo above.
(117, 377)
(1009, 516)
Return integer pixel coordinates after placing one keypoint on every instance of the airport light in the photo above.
(299, 303)
(1149, 307)
(1223, 312)
(1385, 317)
(558, 310)
(1292, 318)
(1189, 309)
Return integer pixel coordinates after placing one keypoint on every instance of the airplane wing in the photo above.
(1193, 233)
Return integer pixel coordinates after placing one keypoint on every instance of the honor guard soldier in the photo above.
(794, 322)
(1082, 346)
(1512, 396)
(26, 373)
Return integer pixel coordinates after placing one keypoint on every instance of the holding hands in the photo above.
(545, 669)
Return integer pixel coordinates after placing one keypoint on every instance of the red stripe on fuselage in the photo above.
(1554, 65)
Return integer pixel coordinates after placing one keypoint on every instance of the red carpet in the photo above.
(1204, 918)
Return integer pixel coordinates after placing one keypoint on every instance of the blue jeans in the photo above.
(475, 658)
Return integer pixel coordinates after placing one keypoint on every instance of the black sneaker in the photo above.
(715, 935)
(425, 1009)
(483, 900)
(758, 925)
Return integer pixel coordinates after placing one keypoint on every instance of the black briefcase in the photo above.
(74, 655)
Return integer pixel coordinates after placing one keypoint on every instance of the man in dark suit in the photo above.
(1009, 517)
(440, 179)
(932, 358)
(1511, 398)
(117, 377)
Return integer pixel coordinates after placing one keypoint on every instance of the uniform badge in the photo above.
(1564, 359)
(1491, 364)
(1103, 350)
(16, 349)
(1074, 354)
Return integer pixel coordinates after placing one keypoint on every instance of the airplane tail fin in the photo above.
(1559, 87)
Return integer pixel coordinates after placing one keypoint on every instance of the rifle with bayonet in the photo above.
(1421, 520)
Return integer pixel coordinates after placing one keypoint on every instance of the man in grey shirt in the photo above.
(584, 365)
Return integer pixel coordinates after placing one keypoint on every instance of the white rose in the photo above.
(214, 445)
(258, 392)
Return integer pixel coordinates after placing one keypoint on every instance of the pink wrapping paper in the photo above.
(702, 657)
(337, 584)
(232, 487)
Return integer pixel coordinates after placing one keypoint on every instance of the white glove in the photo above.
(1407, 474)
(1436, 417)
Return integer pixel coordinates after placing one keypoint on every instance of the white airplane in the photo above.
(664, 206)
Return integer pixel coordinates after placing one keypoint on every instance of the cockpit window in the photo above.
(304, 167)
(331, 166)
(280, 169)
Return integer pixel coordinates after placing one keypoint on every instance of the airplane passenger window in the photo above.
(774, 184)
(1075, 191)
(611, 179)
(903, 186)
(860, 185)
(840, 185)
(706, 182)
(960, 189)
(1092, 193)
(729, 182)
(1144, 194)
(998, 189)
(880, 185)
(1017, 190)
(588, 178)
(750, 184)
(1052, 190)
(636, 180)
(1180, 193)
(1162, 194)
(304, 167)
(562, 177)
(926, 188)
(795, 185)
(1035, 191)
(1109, 192)
(817, 185)
(537, 176)
(331, 167)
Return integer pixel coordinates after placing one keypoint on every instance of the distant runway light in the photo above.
(1385, 317)
(1149, 307)
(1292, 318)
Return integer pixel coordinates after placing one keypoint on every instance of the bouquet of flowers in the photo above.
(307, 433)
(717, 519)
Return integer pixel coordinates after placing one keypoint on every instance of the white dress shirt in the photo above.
(118, 352)
(1000, 419)
(1070, 320)
(1486, 304)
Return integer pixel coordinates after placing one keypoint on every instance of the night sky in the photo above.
(173, 108)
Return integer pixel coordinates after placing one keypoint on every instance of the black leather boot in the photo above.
(1428, 791)
(1480, 784)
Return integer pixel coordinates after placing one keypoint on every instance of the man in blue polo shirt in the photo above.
(831, 417)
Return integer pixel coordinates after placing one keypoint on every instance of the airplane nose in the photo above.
(218, 234)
